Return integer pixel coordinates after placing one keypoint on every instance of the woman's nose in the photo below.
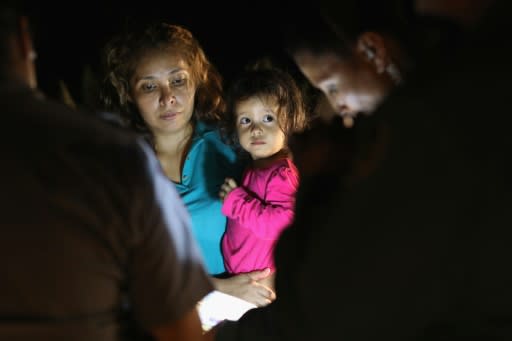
(167, 97)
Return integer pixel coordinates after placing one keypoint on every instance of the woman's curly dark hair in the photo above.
(267, 82)
(123, 52)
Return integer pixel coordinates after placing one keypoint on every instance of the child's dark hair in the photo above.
(266, 82)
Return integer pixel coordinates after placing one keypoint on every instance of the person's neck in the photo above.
(173, 142)
(9, 84)
(11, 79)
(267, 161)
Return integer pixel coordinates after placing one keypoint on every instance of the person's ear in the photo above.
(26, 45)
(372, 47)
(25, 52)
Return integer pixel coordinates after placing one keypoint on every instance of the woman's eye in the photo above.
(178, 81)
(148, 87)
(268, 118)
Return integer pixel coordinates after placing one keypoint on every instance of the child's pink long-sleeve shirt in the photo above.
(258, 211)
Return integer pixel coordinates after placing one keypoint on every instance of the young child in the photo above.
(264, 106)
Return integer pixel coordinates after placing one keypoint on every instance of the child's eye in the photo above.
(244, 120)
(268, 118)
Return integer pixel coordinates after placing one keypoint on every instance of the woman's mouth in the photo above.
(169, 116)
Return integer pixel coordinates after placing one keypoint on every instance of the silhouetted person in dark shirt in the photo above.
(419, 249)
(95, 244)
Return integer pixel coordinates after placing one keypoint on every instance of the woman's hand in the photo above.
(247, 286)
(228, 185)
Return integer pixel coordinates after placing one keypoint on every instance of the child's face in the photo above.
(163, 91)
(258, 128)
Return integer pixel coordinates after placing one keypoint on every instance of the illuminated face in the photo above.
(352, 86)
(258, 128)
(163, 91)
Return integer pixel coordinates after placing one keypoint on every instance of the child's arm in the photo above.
(266, 218)
(228, 185)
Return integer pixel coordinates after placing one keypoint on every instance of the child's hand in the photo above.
(228, 185)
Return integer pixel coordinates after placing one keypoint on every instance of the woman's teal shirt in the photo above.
(208, 163)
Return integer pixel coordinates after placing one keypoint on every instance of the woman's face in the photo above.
(163, 91)
(352, 86)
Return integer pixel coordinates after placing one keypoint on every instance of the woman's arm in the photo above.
(247, 286)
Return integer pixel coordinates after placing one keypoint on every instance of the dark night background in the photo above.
(69, 36)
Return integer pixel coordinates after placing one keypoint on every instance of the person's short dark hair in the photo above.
(335, 26)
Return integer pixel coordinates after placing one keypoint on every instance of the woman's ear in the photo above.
(372, 47)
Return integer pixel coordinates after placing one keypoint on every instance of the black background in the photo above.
(69, 36)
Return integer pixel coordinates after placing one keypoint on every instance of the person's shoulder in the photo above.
(49, 125)
(283, 164)
(78, 124)
(208, 131)
(285, 169)
(213, 135)
(282, 172)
